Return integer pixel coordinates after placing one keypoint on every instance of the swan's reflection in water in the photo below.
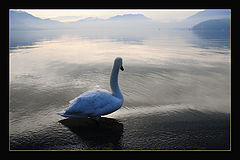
(105, 134)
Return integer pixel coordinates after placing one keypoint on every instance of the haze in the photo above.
(66, 15)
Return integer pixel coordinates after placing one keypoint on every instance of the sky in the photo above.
(66, 15)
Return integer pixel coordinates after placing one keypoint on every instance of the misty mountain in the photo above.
(212, 24)
(130, 21)
(124, 17)
(211, 14)
(115, 21)
(24, 20)
(215, 24)
(129, 17)
(204, 16)
(89, 19)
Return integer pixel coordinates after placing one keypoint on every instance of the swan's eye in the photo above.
(122, 68)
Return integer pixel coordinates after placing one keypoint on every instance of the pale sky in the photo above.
(64, 15)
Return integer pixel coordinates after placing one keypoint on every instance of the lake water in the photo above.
(176, 87)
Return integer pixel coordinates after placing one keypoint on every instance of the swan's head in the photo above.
(118, 62)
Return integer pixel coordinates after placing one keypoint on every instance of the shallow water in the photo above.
(176, 87)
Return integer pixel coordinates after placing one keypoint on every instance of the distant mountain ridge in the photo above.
(124, 17)
(88, 19)
(214, 24)
(214, 20)
(129, 17)
(211, 14)
(22, 14)
(204, 16)
(24, 20)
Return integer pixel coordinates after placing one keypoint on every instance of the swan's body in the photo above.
(99, 102)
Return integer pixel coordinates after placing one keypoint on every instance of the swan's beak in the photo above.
(122, 68)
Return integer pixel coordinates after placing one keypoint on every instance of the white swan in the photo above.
(99, 102)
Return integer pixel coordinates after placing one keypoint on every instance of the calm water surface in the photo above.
(176, 85)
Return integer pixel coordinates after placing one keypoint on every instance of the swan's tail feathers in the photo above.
(64, 115)
(70, 115)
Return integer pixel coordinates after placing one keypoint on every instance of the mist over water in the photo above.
(176, 87)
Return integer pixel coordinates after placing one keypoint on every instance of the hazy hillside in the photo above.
(23, 20)
(210, 14)
(204, 16)
(89, 19)
(197, 18)
(127, 22)
(216, 24)
(131, 17)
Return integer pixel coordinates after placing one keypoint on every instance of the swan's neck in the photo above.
(114, 82)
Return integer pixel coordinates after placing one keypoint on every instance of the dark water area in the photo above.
(189, 130)
(176, 87)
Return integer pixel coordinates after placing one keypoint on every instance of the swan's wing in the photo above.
(90, 103)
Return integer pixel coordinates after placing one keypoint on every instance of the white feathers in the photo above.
(98, 102)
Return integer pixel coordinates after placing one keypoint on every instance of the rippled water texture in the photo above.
(176, 86)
